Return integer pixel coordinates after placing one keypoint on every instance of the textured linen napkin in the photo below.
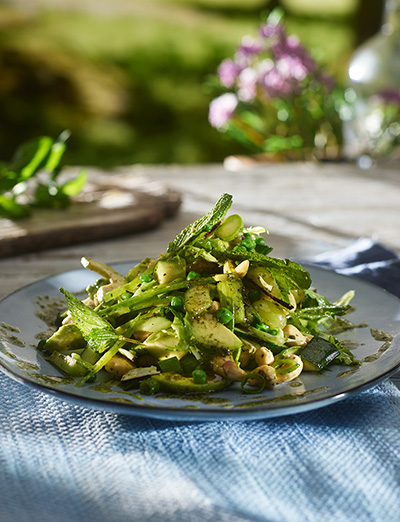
(368, 260)
(60, 462)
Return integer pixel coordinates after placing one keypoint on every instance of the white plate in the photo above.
(20, 327)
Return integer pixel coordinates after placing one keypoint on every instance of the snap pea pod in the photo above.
(147, 296)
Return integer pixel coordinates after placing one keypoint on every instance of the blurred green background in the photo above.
(128, 77)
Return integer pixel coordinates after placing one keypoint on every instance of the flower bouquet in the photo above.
(273, 97)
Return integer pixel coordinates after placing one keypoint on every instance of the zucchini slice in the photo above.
(176, 383)
(318, 354)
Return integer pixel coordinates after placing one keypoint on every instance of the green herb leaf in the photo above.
(54, 158)
(279, 268)
(49, 195)
(315, 306)
(101, 339)
(9, 208)
(74, 186)
(127, 331)
(97, 332)
(192, 231)
(200, 252)
(30, 156)
(41, 155)
(8, 179)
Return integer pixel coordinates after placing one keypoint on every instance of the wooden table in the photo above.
(308, 208)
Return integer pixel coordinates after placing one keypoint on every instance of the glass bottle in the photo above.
(372, 128)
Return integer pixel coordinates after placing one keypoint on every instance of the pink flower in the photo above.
(264, 69)
(292, 67)
(250, 46)
(290, 48)
(247, 84)
(228, 71)
(247, 52)
(275, 83)
(275, 78)
(221, 109)
(272, 30)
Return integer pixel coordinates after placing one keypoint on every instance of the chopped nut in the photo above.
(242, 268)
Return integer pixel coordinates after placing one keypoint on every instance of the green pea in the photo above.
(192, 275)
(199, 376)
(260, 240)
(248, 241)
(145, 278)
(224, 315)
(240, 248)
(265, 328)
(177, 303)
(126, 295)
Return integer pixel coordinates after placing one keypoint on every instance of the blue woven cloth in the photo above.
(60, 462)
(367, 260)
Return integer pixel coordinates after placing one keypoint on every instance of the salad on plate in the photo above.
(215, 309)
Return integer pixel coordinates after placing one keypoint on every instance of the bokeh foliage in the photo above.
(128, 78)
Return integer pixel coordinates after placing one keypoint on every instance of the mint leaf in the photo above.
(102, 339)
(128, 328)
(216, 214)
(9, 208)
(279, 268)
(40, 156)
(74, 186)
(96, 331)
(30, 156)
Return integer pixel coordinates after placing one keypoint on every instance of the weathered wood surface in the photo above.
(109, 207)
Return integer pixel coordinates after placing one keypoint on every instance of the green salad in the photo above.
(215, 309)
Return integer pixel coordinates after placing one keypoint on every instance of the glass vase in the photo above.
(372, 129)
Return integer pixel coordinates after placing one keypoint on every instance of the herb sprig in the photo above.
(31, 179)
(192, 231)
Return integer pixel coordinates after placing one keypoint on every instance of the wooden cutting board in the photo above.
(111, 205)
